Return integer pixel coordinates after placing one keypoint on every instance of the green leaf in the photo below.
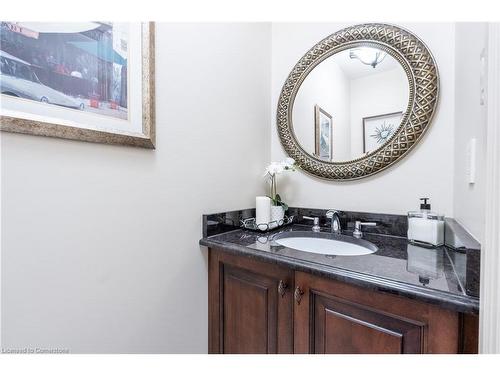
(273, 201)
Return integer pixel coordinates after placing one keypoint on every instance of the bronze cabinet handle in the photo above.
(298, 294)
(282, 288)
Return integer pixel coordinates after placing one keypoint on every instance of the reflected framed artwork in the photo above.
(87, 81)
(323, 133)
(378, 129)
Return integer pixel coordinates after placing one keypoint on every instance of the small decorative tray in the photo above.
(263, 227)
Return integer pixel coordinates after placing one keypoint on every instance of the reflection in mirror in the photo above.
(350, 104)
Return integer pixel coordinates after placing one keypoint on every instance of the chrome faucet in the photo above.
(334, 216)
(357, 228)
(315, 227)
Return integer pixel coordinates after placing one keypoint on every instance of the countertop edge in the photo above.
(463, 304)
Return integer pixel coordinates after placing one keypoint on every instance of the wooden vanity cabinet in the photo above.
(334, 317)
(259, 307)
(250, 307)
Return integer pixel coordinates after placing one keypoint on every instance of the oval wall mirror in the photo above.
(358, 101)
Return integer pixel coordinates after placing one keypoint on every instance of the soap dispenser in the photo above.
(425, 227)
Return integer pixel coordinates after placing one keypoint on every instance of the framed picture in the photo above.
(378, 129)
(323, 133)
(87, 81)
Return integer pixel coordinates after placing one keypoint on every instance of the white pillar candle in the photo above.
(262, 210)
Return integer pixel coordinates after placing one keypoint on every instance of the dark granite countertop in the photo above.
(439, 276)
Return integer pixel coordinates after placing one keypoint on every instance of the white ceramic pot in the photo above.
(277, 215)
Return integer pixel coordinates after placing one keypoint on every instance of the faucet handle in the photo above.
(315, 227)
(357, 227)
(315, 219)
(358, 224)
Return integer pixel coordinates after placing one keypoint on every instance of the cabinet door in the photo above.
(333, 317)
(250, 306)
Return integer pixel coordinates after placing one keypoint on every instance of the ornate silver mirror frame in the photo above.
(423, 78)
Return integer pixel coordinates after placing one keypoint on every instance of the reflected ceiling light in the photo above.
(368, 56)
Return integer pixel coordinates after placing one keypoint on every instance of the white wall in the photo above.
(426, 171)
(470, 122)
(373, 95)
(100, 243)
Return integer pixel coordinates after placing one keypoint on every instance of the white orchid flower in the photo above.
(275, 168)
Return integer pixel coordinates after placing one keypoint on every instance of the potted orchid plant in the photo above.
(278, 207)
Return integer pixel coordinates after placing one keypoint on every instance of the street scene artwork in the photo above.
(87, 81)
(81, 66)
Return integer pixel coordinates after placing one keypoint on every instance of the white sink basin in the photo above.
(325, 243)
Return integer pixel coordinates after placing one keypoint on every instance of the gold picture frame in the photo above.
(323, 145)
(146, 138)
